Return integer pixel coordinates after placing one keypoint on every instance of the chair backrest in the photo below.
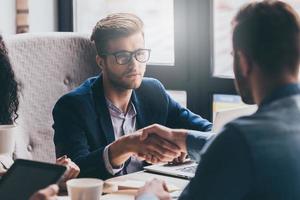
(47, 65)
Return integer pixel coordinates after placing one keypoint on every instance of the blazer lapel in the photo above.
(140, 110)
(102, 110)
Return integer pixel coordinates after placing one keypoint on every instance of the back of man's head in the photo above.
(115, 26)
(267, 33)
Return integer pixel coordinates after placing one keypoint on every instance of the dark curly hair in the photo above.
(9, 99)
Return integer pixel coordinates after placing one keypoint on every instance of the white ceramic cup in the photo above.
(85, 188)
(7, 139)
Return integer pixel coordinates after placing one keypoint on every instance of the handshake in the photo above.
(162, 144)
(154, 144)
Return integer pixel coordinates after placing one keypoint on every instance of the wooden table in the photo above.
(138, 176)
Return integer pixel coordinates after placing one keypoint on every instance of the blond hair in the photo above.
(115, 26)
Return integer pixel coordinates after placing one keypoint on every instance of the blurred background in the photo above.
(190, 40)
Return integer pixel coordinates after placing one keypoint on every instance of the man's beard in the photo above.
(242, 86)
(118, 83)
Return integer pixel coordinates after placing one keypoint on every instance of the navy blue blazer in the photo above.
(83, 126)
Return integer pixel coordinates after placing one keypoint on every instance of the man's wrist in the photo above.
(112, 170)
(197, 142)
(181, 139)
(130, 142)
(119, 152)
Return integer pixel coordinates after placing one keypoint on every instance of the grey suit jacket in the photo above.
(254, 157)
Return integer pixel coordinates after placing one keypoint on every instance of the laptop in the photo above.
(224, 116)
(187, 170)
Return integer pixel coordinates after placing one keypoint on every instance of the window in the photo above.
(184, 61)
(225, 102)
(223, 13)
(198, 43)
(159, 22)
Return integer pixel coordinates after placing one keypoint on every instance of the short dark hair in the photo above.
(115, 26)
(268, 33)
(9, 99)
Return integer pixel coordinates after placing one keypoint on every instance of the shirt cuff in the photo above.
(107, 163)
(147, 196)
(197, 143)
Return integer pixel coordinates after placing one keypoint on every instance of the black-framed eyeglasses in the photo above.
(125, 57)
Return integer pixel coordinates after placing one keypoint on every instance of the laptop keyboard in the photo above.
(190, 169)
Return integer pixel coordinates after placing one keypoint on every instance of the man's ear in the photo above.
(244, 63)
(99, 61)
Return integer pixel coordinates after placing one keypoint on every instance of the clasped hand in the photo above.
(161, 144)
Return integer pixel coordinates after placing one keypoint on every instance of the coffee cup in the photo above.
(85, 188)
(7, 139)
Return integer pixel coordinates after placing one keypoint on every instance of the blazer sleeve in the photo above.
(225, 170)
(70, 139)
(181, 117)
(197, 143)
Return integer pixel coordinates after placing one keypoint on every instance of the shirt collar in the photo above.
(281, 92)
(118, 113)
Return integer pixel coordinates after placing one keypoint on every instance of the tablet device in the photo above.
(25, 177)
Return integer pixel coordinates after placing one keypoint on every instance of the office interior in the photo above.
(190, 44)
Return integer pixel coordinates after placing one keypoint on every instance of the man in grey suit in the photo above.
(254, 157)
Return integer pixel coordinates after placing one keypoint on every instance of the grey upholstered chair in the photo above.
(48, 66)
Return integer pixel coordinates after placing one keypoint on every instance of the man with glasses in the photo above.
(98, 125)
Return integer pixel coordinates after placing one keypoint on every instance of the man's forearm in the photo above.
(120, 151)
(179, 138)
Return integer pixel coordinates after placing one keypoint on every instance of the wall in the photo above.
(7, 16)
(42, 16)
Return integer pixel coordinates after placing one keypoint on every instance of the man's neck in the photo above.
(117, 96)
(264, 87)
